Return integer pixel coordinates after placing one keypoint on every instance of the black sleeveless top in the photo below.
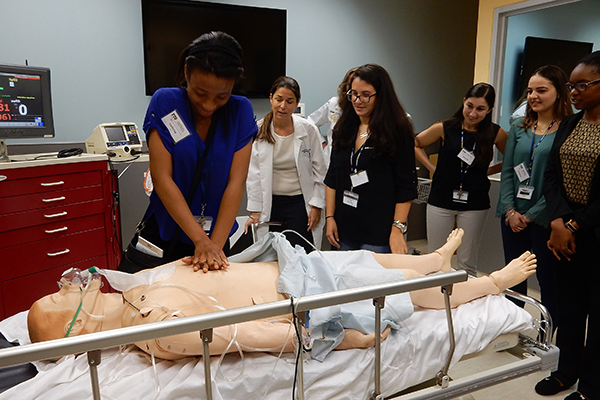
(448, 174)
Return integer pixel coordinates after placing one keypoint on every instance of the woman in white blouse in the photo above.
(287, 167)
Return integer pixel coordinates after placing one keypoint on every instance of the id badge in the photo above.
(205, 222)
(350, 198)
(521, 171)
(460, 196)
(466, 156)
(525, 192)
(360, 178)
(176, 126)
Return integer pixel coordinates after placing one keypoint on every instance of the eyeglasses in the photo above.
(364, 98)
(581, 86)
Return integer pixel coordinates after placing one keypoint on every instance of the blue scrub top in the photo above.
(187, 152)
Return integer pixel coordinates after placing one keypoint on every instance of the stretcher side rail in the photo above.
(100, 340)
(531, 355)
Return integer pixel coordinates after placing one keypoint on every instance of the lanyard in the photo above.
(353, 165)
(534, 147)
(463, 169)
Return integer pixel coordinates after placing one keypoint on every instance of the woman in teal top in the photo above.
(522, 204)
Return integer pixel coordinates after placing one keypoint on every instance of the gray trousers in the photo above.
(441, 221)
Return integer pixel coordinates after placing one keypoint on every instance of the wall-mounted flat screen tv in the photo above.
(543, 51)
(170, 25)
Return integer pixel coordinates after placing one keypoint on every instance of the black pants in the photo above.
(290, 211)
(578, 302)
(136, 262)
(534, 238)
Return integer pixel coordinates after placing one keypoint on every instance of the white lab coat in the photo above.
(328, 113)
(310, 162)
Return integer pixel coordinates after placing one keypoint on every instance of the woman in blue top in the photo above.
(177, 126)
(522, 204)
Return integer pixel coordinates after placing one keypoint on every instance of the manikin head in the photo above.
(68, 311)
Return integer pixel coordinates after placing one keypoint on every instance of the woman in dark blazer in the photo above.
(573, 197)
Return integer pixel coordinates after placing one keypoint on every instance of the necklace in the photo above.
(363, 135)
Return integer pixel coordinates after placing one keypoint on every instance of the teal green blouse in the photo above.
(518, 150)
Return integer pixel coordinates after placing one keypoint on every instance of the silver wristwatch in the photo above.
(400, 225)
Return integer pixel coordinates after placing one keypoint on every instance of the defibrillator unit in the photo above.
(117, 139)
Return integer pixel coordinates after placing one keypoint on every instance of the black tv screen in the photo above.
(170, 25)
(542, 51)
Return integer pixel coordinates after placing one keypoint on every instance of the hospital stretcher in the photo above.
(421, 349)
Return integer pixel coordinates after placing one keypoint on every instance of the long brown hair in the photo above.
(389, 124)
(562, 104)
(264, 132)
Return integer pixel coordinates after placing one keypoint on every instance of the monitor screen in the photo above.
(170, 25)
(25, 102)
(115, 134)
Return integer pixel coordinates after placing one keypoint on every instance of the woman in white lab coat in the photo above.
(330, 112)
(287, 168)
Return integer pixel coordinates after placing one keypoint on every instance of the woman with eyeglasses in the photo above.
(371, 179)
(572, 194)
(522, 205)
(459, 194)
(287, 167)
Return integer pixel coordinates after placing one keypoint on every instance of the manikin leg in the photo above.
(514, 272)
(437, 261)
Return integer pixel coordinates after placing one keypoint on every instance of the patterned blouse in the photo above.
(578, 157)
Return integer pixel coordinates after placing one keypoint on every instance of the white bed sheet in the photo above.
(410, 355)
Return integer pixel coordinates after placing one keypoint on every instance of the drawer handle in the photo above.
(65, 251)
(53, 183)
(54, 199)
(62, 214)
(64, 228)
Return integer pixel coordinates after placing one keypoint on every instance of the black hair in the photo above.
(213, 52)
(592, 60)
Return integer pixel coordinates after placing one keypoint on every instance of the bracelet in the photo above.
(570, 226)
(329, 216)
(252, 218)
(509, 215)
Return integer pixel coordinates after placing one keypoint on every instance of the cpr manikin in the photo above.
(80, 307)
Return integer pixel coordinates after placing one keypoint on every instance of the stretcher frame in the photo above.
(543, 355)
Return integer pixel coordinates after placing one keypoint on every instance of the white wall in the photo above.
(94, 50)
(578, 21)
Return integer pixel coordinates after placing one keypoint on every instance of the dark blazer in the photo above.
(588, 216)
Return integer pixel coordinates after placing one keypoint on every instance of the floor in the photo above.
(520, 388)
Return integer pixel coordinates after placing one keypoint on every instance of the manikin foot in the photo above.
(514, 272)
(447, 250)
